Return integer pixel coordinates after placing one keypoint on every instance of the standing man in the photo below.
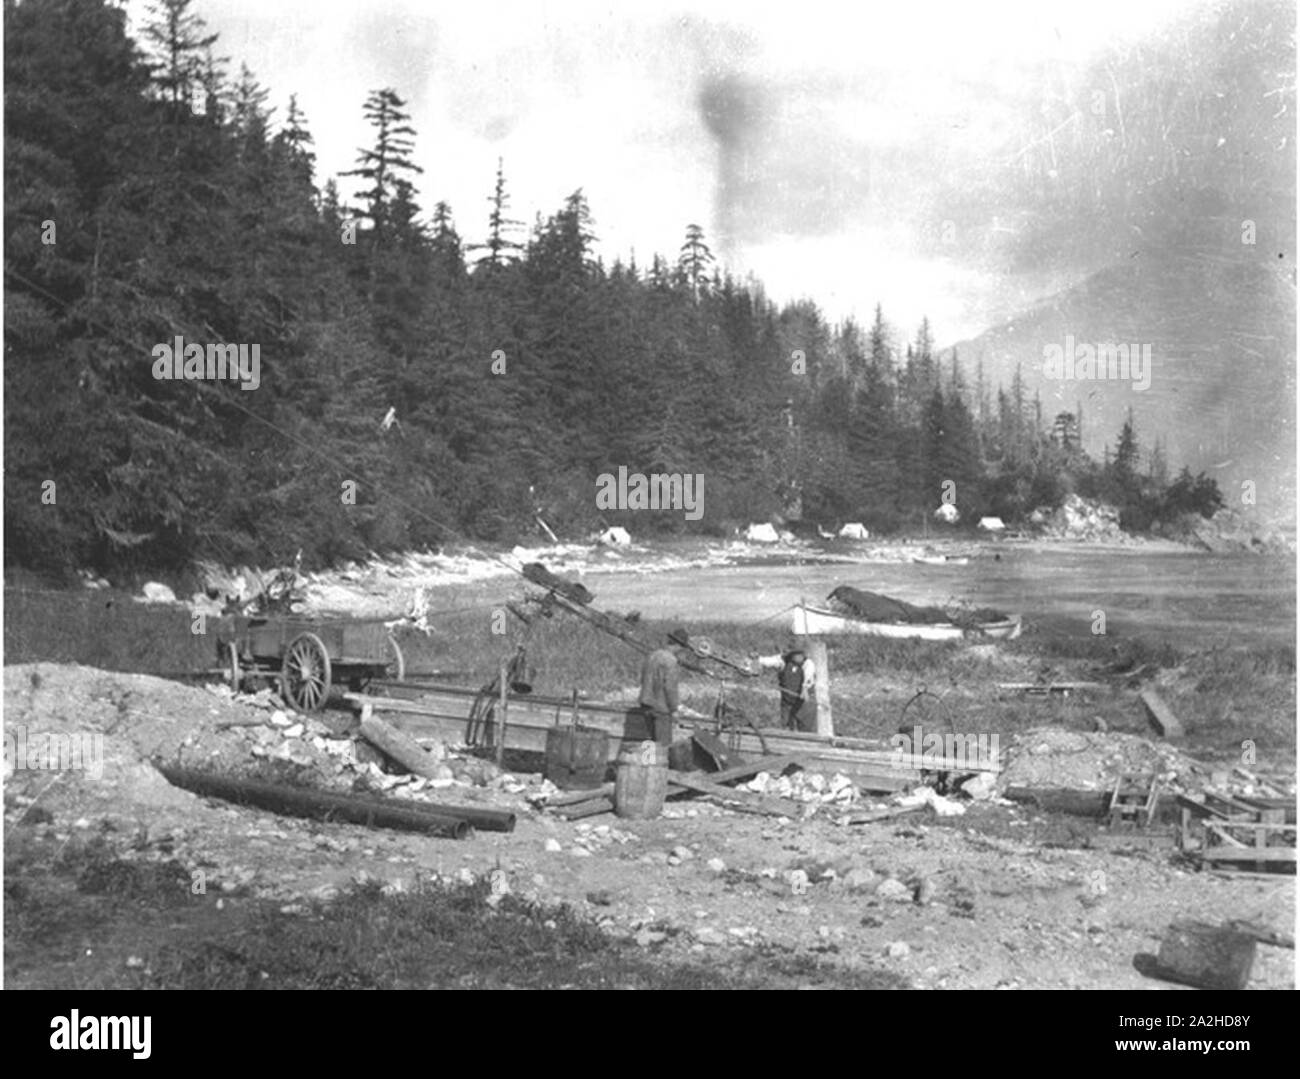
(796, 678)
(659, 689)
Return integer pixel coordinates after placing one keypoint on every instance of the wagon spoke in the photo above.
(307, 673)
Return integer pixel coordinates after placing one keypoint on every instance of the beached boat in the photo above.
(941, 560)
(807, 619)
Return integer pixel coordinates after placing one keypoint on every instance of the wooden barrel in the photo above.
(576, 757)
(641, 780)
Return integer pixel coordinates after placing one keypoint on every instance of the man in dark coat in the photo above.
(796, 675)
(659, 689)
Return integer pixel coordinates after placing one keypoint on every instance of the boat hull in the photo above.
(815, 621)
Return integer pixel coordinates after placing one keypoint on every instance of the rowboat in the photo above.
(941, 560)
(807, 619)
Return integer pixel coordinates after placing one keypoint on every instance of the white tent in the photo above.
(615, 537)
(992, 524)
(761, 533)
(855, 530)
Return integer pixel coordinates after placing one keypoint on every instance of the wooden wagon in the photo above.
(309, 657)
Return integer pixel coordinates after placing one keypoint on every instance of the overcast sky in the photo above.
(798, 134)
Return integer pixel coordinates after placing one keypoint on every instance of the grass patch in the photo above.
(75, 911)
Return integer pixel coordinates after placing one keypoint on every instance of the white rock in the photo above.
(895, 891)
(279, 719)
(717, 865)
(898, 949)
(684, 853)
(554, 846)
(154, 592)
(980, 787)
(294, 731)
(706, 934)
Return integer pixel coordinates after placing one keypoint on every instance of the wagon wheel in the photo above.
(396, 669)
(305, 677)
(927, 711)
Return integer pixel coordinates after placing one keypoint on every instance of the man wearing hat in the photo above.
(796, 676)
(659, 687)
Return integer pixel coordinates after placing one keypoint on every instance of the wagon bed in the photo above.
(309, 656)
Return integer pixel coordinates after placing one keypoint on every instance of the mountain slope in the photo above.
(1222, 389)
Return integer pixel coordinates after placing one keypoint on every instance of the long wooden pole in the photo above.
(822, 687)
(503, 705)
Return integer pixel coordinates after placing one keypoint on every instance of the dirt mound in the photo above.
(1051, 757)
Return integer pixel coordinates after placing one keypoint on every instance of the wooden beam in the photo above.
(1160, 715)
(822, 687)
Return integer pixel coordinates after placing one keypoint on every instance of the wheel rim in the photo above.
(396, 669)
(307, 673)
(927, 711)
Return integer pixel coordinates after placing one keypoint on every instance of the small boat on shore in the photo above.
(941, 560)
(851, 610)
(807, 619)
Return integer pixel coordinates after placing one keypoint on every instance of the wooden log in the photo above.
(1207, 956)
(503, 705)
(568, 798)
(1160, 715)
(591, 807)
(399, 746)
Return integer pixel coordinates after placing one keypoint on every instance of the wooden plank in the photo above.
(777, 807)
(590, 807)
(887, 814)
(1161, 715)
(1262, 933)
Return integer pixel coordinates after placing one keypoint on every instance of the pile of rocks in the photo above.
(808, 787)
(1079, 760)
